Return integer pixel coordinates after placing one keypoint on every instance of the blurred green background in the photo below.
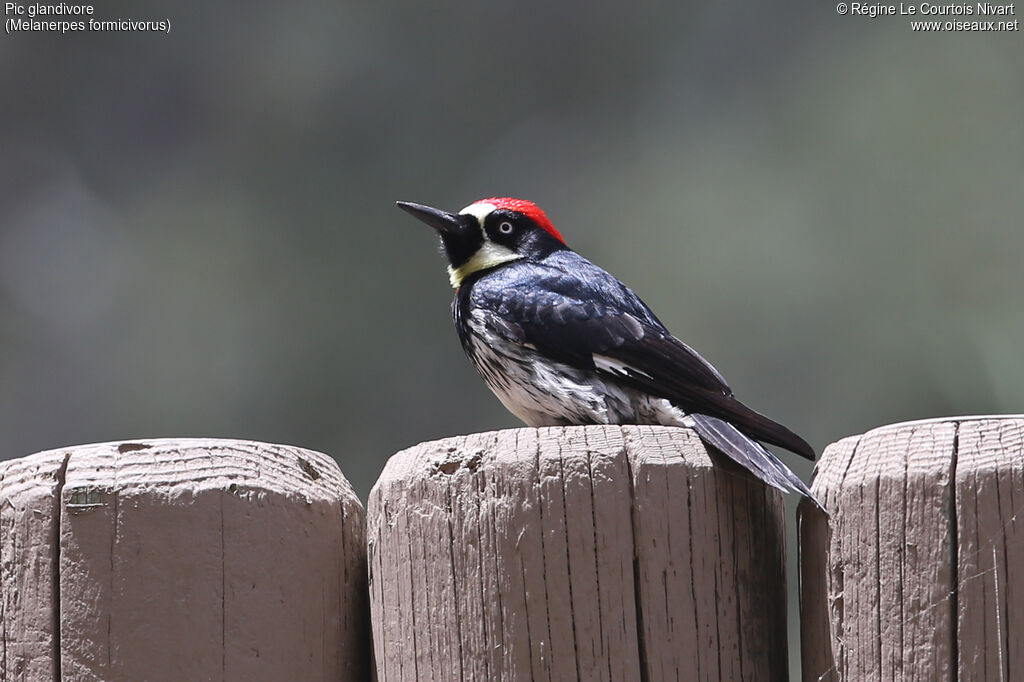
(198, 235)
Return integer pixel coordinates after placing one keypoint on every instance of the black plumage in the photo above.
(561, 341)
(570, 310)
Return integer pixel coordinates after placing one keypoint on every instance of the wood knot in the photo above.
(85, 500)
(451, 466)
(448, 468)
(308, 469)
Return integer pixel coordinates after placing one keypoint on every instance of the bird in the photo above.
(561, 341)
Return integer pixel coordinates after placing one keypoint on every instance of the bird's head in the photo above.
(488, 233)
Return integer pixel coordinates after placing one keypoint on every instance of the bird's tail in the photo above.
(749, 454)
(758, 426)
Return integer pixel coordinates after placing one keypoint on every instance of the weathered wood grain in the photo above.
(821, 587)
(596, 553)
(29, 526)
(206, 559)
(915, 574)
(990, 549)
(710, 562)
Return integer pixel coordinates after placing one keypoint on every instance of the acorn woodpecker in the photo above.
(560, 341)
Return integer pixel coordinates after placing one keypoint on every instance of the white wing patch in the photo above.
(545, 393)
(615, 367)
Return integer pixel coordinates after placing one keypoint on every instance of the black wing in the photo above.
(750, 454)
(585, 318)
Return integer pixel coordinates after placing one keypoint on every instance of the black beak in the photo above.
(442, 221)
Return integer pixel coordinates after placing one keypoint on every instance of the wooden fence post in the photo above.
(590, 553)
(920, 574)
(181, 560)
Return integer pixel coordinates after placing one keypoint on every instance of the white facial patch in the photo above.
(489, 254)
(480, 210)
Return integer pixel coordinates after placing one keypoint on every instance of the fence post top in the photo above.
(199, 463)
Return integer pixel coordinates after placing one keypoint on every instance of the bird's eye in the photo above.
(505, 228)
